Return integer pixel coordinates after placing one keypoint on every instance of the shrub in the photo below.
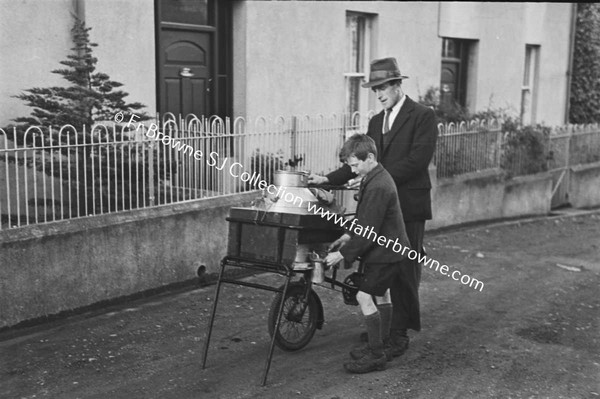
(444, 112)
(460, 154)
(525, 148)
(585, 83)
(266, 164)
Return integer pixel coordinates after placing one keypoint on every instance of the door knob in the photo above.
(186, 72)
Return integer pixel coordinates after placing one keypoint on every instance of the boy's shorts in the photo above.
(378, 277)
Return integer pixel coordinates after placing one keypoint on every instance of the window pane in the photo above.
(358, 31)
(526, 74)
(353, 93)
(356, 38)
(450, 48)
(185, 11)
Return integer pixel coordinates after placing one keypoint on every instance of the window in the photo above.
(529, 88)
(358, 54)
(185, 11)
(456, 61)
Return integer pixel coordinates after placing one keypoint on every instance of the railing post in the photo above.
(293, 138)
(568, 159)
(569, 139)
(346, 121)
(151, 173)
(500, 147)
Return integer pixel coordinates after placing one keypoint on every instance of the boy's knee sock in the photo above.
(385, 313)
(373, 322)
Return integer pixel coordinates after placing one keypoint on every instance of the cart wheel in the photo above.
(299, 318)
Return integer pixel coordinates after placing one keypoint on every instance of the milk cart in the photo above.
(291, 245)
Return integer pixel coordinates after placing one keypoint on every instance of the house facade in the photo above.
(253, 58)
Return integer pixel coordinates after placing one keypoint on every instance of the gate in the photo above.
(559, 143)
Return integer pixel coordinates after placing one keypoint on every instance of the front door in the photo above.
(186, 77)
(449, 83)
(185, 57)
(194, 77)
(455, 64)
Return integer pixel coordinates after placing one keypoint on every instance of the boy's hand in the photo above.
(339, 243)
(316, 179)
(333, 258)
(354, 183)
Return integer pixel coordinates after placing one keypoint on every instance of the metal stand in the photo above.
(265, 267)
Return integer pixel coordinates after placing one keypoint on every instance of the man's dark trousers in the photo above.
(404, 292)
(410, 146)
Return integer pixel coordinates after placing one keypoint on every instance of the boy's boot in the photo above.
(385, 314)
(374, 357)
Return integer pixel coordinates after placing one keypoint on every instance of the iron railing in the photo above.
(51, 174)
(480, 145)
(54, 174)
(468, 147)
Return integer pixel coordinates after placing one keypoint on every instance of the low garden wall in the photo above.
(527, 195)
(584, 185)
(467, 198)
(487, 195)
(51, 268)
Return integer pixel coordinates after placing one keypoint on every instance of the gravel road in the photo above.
(532, 332)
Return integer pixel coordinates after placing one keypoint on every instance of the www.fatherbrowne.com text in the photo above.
(369, 233)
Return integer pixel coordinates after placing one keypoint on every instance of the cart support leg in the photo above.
(280, 313)
(212, 316)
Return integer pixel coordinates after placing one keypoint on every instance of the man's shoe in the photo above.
(366, 364)
(398, 345)
(364, 350)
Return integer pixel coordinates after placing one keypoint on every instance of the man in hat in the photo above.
(405, 134)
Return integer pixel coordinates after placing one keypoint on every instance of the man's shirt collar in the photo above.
(394, 111)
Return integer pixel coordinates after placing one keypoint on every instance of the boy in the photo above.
(379, 224)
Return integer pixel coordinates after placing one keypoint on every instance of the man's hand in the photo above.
(339, 243)
(333, 258)
(316, 179)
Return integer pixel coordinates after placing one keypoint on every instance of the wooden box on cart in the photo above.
(274, 237)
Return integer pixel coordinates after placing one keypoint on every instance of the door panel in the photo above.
(198, 94)
(449, 82)
(172, 100)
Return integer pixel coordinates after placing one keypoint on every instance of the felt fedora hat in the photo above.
(382, 71)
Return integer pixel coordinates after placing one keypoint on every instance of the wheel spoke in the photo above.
(298, 320)
(294, 330)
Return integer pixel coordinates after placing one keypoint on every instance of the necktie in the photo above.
(386, 121)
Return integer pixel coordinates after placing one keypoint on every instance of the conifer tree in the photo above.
(66, 114)
(90, 98)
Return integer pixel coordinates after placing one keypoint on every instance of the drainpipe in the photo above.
(570, 66)
(439, 17)
(79, 9)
